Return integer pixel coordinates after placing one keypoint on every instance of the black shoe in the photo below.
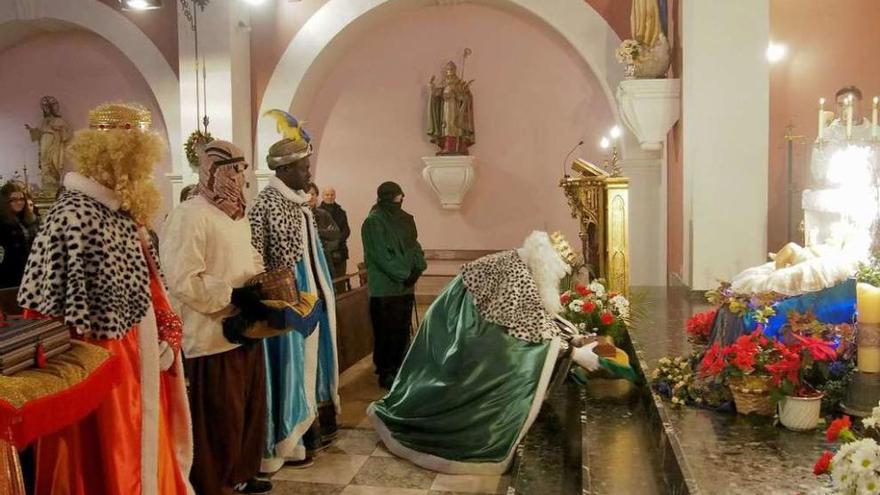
(307, 462)
(254, 486)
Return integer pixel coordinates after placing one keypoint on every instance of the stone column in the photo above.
(725, 111)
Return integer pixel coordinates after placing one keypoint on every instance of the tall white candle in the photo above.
(821, 118)
(874, 118)
(849, 116)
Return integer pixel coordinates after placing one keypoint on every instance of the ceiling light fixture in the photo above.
(140, 4)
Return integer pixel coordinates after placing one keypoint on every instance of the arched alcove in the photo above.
(120, 32)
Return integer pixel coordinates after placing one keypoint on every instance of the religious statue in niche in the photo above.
(647, 55)
(451, 111)
(52, 135)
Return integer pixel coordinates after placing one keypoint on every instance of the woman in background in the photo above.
(18, 227)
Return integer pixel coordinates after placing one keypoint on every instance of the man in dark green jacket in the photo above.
(395, 262)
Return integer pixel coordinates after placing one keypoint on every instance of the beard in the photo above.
(547, 269)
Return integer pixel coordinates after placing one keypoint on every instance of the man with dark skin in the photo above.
(302, 367)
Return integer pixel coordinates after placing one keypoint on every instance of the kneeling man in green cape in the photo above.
(479, 368)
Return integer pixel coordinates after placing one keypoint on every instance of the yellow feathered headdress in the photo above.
(296, 145)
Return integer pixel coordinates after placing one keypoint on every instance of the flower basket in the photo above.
(800, 413)
(751, 394)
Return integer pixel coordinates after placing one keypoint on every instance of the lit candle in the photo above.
(821, 118)
(874, 118)
(849, 116)
(868, 305)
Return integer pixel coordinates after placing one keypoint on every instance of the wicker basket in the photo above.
(751, 394)
(277, 285)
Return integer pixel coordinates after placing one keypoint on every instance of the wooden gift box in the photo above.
(20, 339)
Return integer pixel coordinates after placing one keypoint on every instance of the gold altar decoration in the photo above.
(600, 202)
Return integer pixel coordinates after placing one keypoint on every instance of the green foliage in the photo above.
(869, 273)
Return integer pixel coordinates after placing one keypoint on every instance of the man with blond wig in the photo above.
(92, 267)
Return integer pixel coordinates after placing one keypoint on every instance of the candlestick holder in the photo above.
(611, 163)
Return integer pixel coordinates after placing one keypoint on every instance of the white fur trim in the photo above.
(148, 341)
(330, 302)
(298, 197)
(439, 464)
(180, 422)
(78, 182)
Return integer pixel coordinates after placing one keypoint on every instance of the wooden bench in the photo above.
(354, 331)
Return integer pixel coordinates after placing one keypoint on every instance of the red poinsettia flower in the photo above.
(588, 307)
(819, 349)
(700, 324)
(745, 343)
(745, 361)
(789, 368)
(713, 362)
(838, 426)
(565, 298)
(607, 318)
(582, 290)
(823, 465)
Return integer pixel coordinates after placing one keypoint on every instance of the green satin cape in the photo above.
(467, 391)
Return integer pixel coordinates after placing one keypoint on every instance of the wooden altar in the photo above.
(600, 202)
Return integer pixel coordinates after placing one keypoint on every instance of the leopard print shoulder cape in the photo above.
(505, 294)
(87, 267)
(277, 228)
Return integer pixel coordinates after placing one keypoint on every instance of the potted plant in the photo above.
(795, 384)
(745, 366)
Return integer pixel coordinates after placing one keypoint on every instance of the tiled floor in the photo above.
(357, 463)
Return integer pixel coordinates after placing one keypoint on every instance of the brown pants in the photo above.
(227, 397)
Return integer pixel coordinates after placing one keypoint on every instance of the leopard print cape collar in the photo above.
(505, 293)
(278, 225)
(87, 266)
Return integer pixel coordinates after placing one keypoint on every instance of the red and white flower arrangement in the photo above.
(855, 467)
(594, 309)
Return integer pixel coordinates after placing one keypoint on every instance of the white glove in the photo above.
(585, 356)
(166, 356)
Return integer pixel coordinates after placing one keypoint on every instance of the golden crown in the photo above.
(124, 116)
(563, 248)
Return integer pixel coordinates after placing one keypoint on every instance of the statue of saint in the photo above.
(451, 113)
(52, 136)
(645, 22)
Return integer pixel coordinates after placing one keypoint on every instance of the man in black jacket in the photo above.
(339, 258)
